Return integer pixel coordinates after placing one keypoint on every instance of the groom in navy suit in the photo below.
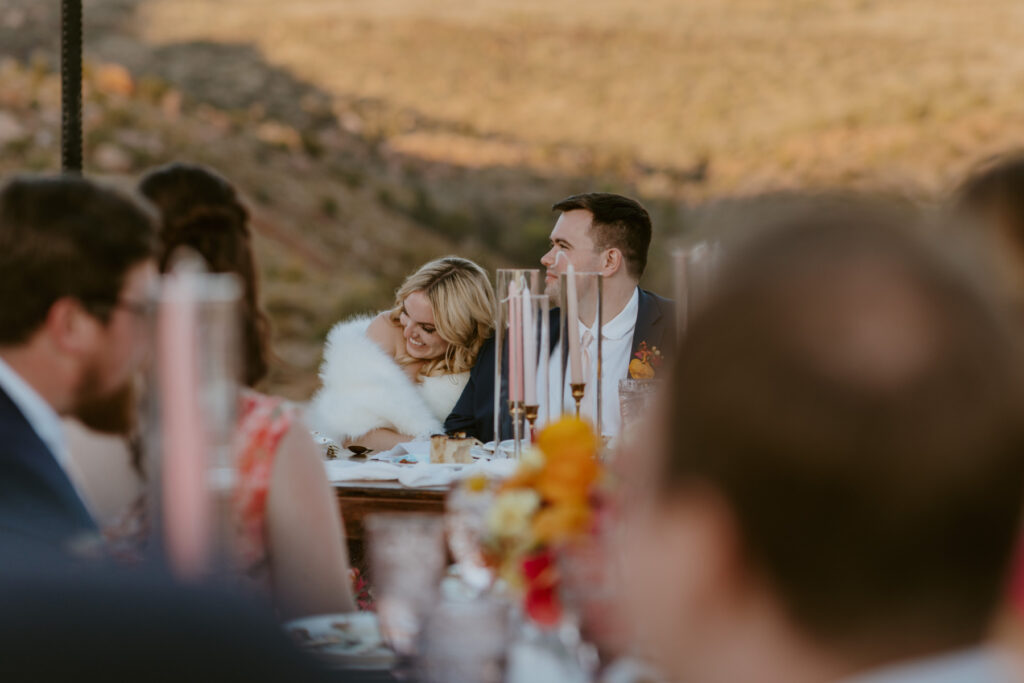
(76, 260)
(595, 232)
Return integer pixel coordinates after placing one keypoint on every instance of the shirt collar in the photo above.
(40, 415)
(622, 324)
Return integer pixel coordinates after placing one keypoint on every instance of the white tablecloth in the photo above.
(414, 476)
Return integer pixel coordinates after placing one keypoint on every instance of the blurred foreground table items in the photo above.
(359, 500)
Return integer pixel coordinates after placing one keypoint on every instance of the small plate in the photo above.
(351, 640)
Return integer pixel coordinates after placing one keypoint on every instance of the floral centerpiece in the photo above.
(552, 499)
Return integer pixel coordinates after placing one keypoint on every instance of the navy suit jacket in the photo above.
(37, 500)
(474, 411)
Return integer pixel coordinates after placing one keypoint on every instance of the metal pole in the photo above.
(71, 85)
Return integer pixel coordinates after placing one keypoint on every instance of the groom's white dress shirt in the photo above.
(616, 348)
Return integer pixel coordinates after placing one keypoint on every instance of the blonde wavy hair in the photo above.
(463, 304)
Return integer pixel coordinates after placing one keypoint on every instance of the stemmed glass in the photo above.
(588, 591)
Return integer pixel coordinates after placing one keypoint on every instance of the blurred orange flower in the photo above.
(558, 523)
(568, 435)
(567, 477)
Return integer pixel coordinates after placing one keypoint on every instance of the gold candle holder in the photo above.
(515, 408)
(577, 394)
(531, 417)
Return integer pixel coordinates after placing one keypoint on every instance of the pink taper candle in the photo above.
(515, 343)
(529, 351)
(573, 323)
(186, 505)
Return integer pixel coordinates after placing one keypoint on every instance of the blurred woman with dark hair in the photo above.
(290, 540)
(992, 197)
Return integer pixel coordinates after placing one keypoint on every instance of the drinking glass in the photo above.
(589, 590)
(407, 558)
(465, 642)
(636, 403)
(466, 524)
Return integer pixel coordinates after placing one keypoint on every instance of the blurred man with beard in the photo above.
(76, 261)
(838, 489)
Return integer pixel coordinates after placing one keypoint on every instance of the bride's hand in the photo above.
(382, 439)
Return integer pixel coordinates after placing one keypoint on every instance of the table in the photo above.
(357, 499)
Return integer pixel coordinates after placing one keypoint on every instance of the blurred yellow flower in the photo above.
(476, 483)
(512, 512)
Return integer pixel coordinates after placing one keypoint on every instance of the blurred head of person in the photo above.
(446, 311)
(201, 210)
(76, 265)
(599, 232)
(838, 480)
(993, 196)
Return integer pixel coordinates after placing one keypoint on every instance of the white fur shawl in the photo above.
(364, 389)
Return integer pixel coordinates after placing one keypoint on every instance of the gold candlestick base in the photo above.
(577, 394)
(531, 418)
(515, 408)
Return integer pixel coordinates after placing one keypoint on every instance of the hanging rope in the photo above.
(71, 85)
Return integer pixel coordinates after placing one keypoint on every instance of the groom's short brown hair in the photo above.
(619, 222)
(855, 399)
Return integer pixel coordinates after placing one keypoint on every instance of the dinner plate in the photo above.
(351, 640)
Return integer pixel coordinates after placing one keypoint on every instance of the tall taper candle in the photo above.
(182, 429)
(573, 323)
(515, 343)
(529, 350)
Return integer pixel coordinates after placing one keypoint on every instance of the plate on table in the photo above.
(351, 640)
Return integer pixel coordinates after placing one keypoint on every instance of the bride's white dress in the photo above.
(363, 388)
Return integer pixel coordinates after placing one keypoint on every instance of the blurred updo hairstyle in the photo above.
(201, 210)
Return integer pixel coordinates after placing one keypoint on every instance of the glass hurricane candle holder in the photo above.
(694, 270)
(189, 423)
(510, 286)
(577, 388)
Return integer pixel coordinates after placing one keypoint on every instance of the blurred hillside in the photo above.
(372, 135)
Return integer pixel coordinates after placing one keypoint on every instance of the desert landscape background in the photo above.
(370, 136)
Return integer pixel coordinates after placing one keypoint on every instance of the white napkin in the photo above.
(414, 476)
(417, 450)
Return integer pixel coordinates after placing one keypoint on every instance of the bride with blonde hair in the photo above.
(395, 376)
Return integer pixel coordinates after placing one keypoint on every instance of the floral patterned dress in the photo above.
(263, 422)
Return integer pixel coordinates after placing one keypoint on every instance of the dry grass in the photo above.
(772, 92)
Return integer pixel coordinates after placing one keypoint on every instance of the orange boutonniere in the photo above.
(645, 363)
